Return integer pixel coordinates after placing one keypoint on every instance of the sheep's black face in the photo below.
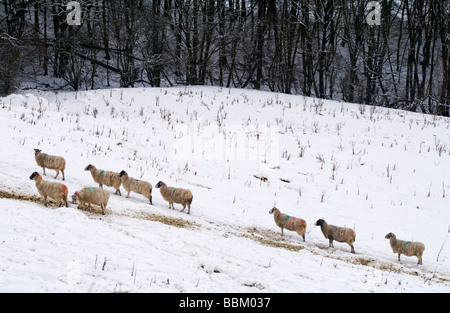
(319, 222)
(35, 174)
(388, 236)
(87, 168)
(122, 173)
(37, 151)
(75, 198)
(159, 184)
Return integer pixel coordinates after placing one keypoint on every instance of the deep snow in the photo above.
(240, 152)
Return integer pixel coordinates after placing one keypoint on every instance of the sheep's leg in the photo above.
(331, 243)
(189, 210)
(303, 235)
(184, 207)
(43, 170)
(151, 200)
(399, 257)
(281, 231)
(419, 261)
(103, 208)
(57, 173)
(100, 186)
(353, 249)
(45, 201)
(128, 195)
(64, 178)
(171, 206)
(118, 192)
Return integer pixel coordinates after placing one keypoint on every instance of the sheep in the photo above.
(139, 186)
(289, 222)
(54, 190)
(52, 162)
(107, 178)
(340, 234)
(408, 248)
(92, 195)
(177, 195)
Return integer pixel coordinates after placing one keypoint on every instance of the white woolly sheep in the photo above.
(56, 191)
(139, 186)
(92, 195)
(107, 178)
(408, 248)
(177, 195)
(52, 162)
(340, 234)
(289, 222)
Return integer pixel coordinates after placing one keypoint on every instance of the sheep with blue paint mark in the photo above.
(177, 195)
(340, 234)
(408, 248)
(92, 195)
(289, 222)
(102, 177)
(52, 162)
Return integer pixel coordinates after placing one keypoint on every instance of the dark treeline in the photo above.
(322, 48)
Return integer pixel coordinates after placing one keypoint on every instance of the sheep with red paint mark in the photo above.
(340, 234)
(289, 222)
(92, 195)
(54, 190)
(408, 248)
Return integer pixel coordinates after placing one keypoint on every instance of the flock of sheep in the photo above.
(100, 197)
(343, 234)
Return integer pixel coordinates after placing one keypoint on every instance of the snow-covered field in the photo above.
(240, 152)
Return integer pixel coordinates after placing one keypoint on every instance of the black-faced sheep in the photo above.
(340, 234)
(52, 162)
(107, 178)
(177, 195)
(408, 248)
(139, 186)
(289, 222)
(92, 195)
(56, 191)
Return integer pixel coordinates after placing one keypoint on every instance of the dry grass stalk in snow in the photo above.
(177, 195)
(107, 178)
(408, 248)
(340, 234)
(92, 195)
(138, 186)
(52, 162)
(289, 222)
(56, 191)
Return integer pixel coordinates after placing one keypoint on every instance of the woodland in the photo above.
(391, 53)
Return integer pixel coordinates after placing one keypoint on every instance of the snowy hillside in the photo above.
(240, 152)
